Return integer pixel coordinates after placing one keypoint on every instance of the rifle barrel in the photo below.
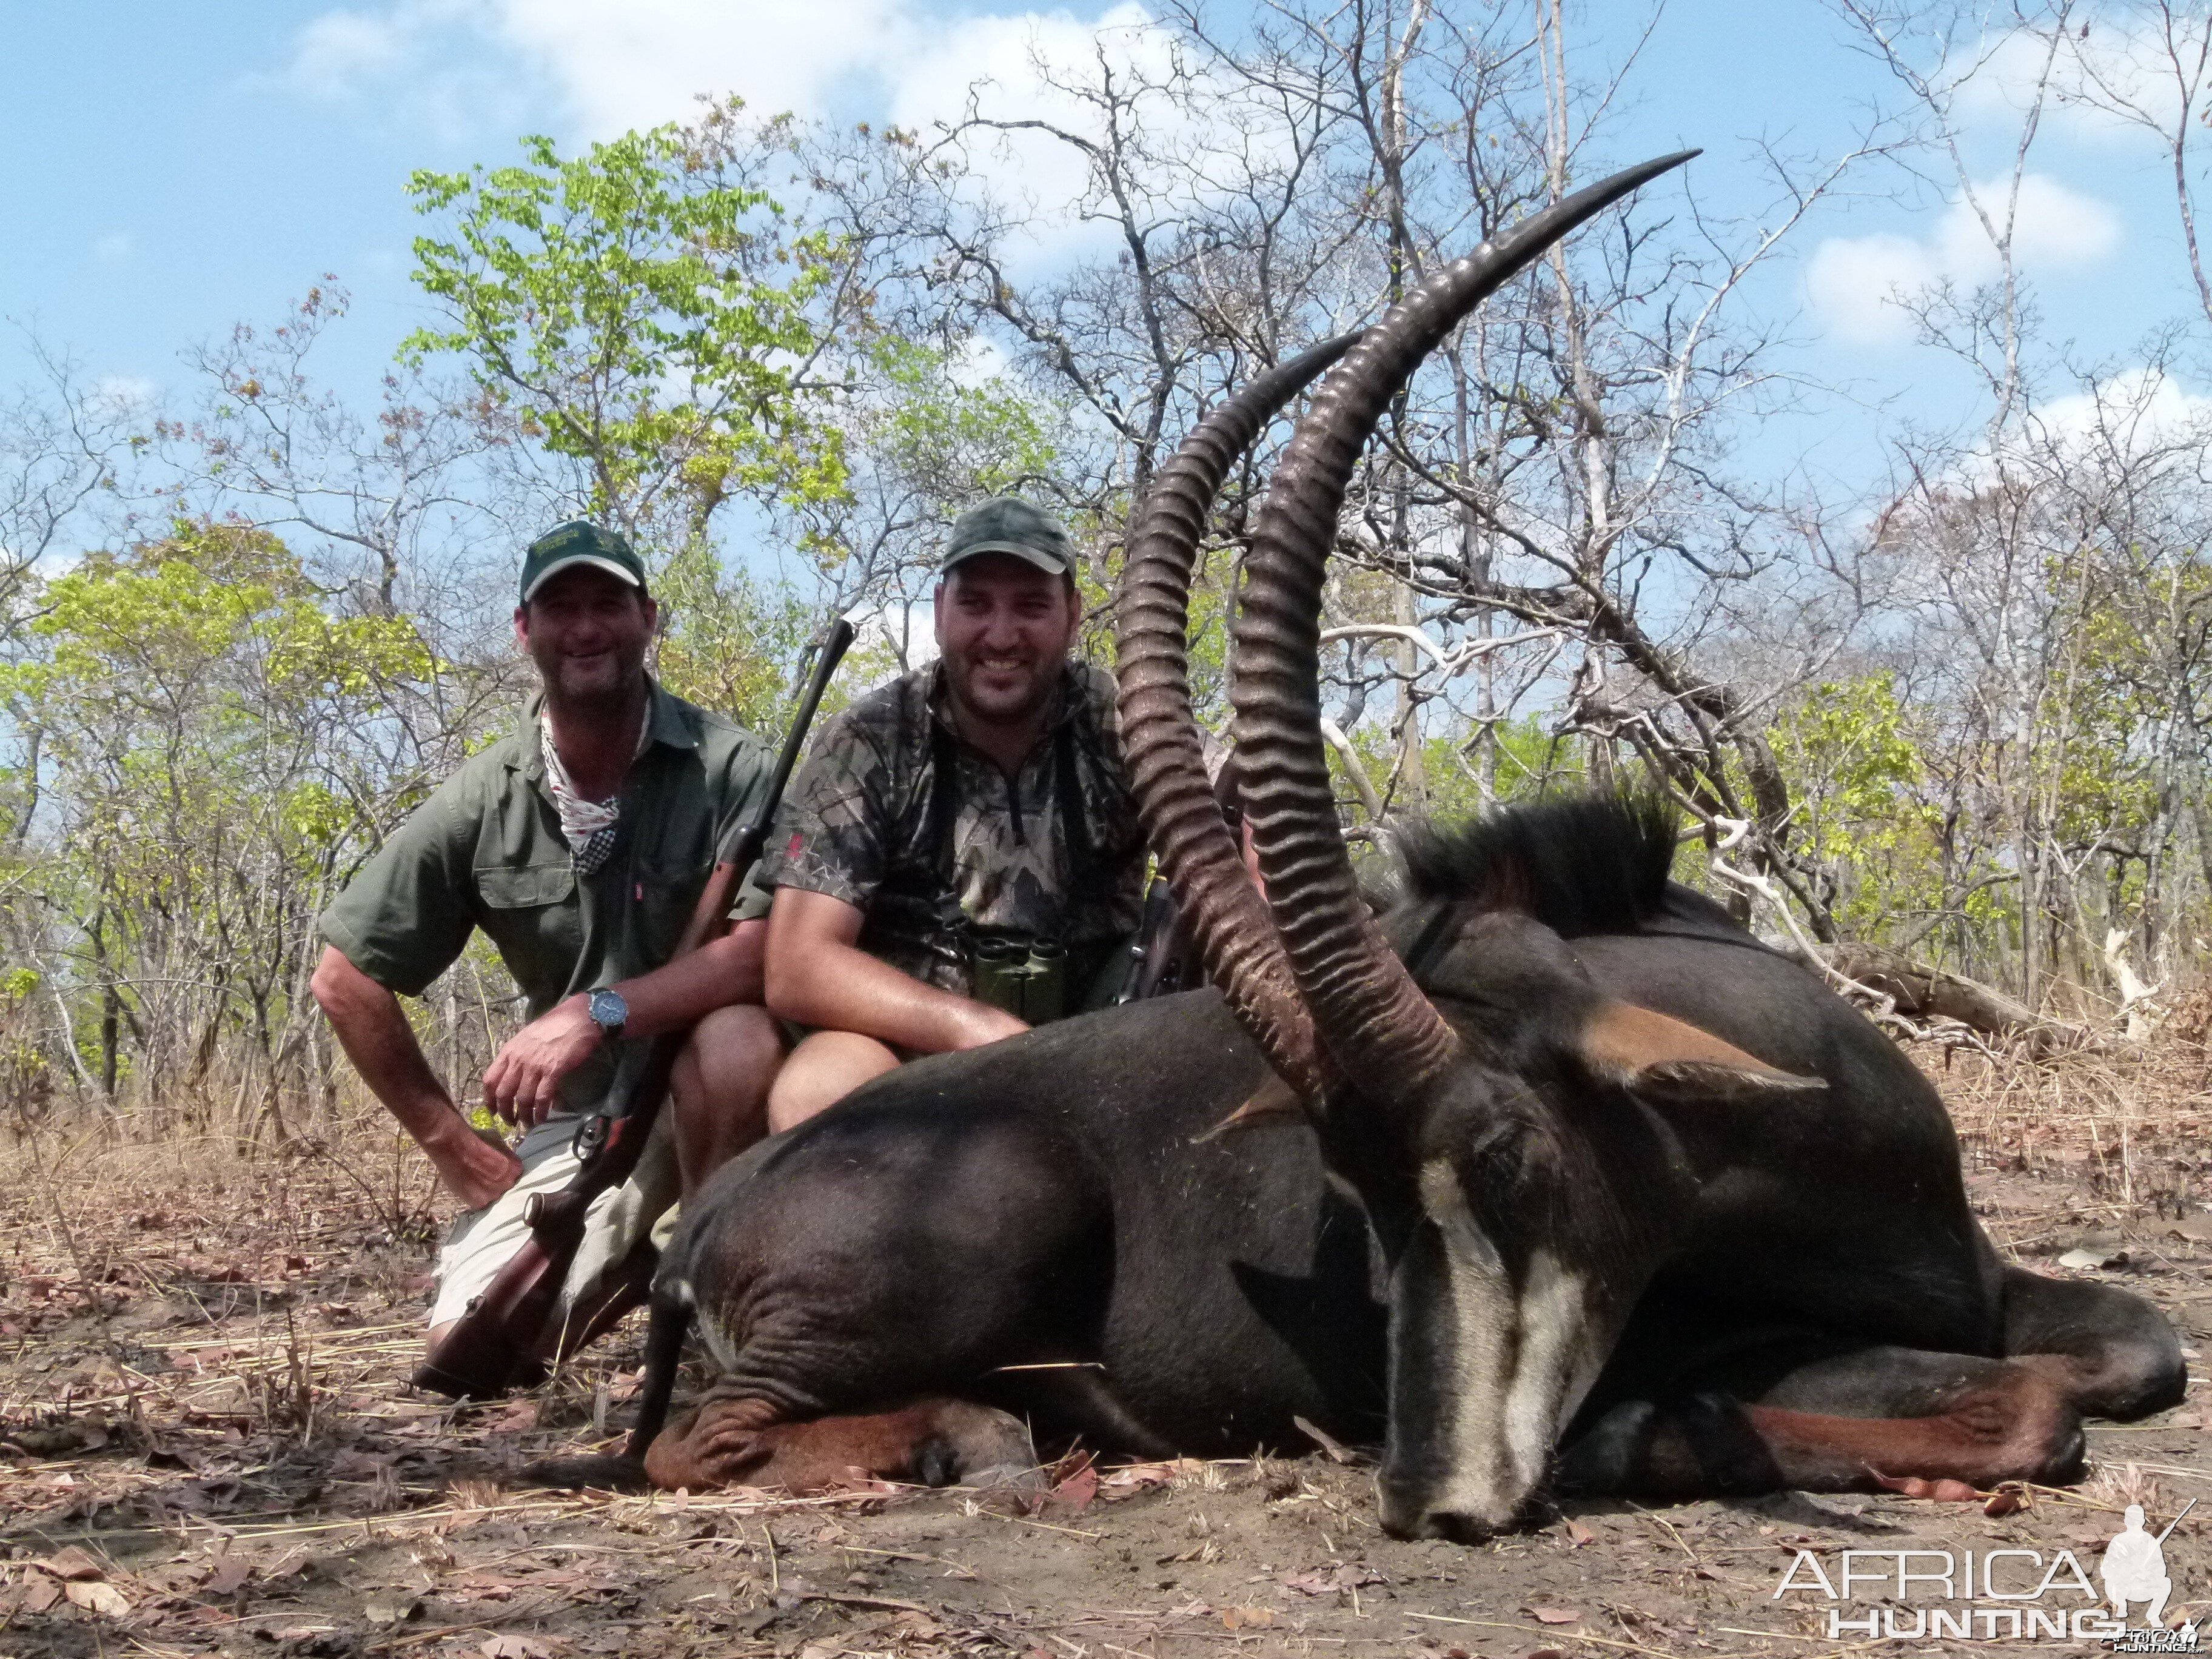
(2176, 1521)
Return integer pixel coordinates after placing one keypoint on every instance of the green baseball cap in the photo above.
(1007, 524)
(578, 542)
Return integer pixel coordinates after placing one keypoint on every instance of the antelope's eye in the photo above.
(1499, 1163)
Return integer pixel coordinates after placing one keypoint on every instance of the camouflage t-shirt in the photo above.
(862, 823)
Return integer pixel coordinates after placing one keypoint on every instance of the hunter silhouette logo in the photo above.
(2134, 1570)
(2000, 1594)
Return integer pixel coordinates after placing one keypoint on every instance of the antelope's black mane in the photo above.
(1581, 864)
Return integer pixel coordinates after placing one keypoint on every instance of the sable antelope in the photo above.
(1578, 1187)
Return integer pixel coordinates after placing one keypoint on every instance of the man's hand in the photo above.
(522, 1084)
(377, 1038)
(475, 1168)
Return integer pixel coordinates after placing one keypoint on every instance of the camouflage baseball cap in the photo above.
(578, 542)
(1007, 524)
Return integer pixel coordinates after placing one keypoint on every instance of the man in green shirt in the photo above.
(580, 843)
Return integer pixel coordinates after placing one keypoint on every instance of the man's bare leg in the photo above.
(825, 1067)
(718, 1106)
(719, 1092)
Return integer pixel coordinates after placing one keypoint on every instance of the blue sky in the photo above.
(171, 170)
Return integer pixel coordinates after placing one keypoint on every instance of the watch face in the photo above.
(608, 1009)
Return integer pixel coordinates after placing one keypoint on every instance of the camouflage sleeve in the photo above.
(833, 832)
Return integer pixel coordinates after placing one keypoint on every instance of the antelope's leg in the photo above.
(2116, 1353)
(1955, 1418)
(935, 1443)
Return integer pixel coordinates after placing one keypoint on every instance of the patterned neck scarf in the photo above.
(590, 827)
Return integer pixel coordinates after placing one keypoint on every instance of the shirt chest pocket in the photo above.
(665, 900)
(531, 913)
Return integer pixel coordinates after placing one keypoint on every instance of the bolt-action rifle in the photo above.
(493, 1345)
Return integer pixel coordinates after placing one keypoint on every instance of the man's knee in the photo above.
(736, 1038)
(822, 1070)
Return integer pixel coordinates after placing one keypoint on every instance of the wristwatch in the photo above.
(610, 1013)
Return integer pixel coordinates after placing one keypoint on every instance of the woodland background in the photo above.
(1958, 719)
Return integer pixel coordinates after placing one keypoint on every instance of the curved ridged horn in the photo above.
(1373, 1020)
(1204, 867)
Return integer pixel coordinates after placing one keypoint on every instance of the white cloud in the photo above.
(1854, 283)
(643, 62)
(114, 248)
(635, 64)
(2133, 413)
(125, 394)
(2116, 61)
(340, 49)
(1048, 68)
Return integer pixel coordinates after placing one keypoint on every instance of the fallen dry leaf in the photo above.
(507, 1646)
(1077, 1491)
(70, 1562)
(1912, 1485)
(2006, 1500)
(1553, 1615)
(2099, 1257)
(1579, 1534)
(1133, 1478)
(1246, 1618)
(97, 1596)
(40, 1594)
(1331, 1448)
(228, 1577)
(391, 1609)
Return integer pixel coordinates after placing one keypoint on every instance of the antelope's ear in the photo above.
(1272, 1100)
(1664, 1059)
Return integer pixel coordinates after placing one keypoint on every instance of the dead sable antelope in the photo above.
(1589, 1193)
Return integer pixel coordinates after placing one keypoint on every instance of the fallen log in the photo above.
(1921, 991)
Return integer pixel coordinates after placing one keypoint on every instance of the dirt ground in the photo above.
(207, 1445)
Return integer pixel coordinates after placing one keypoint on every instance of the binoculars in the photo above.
(1028, 978)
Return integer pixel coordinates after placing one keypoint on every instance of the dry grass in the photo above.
(203, 1348)
(2117, 1135)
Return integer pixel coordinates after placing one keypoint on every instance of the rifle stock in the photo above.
(492, 1346)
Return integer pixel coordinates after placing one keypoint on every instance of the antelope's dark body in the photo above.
(1053, 1202)
(1045, 1200)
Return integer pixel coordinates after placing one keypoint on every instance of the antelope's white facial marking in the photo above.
(720, 1345)
(1484, 1370)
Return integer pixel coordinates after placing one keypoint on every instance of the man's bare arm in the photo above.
(523, 1080)
(818, 977)
(381, 1045)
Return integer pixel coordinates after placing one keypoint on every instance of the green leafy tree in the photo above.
(1865, 826)
(210, 747)
(649, 312)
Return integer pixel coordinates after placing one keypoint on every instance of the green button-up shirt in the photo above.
(486, 851)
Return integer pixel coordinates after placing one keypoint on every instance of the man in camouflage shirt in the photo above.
(979, 799)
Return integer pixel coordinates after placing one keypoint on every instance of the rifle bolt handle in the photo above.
(532, 1208)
